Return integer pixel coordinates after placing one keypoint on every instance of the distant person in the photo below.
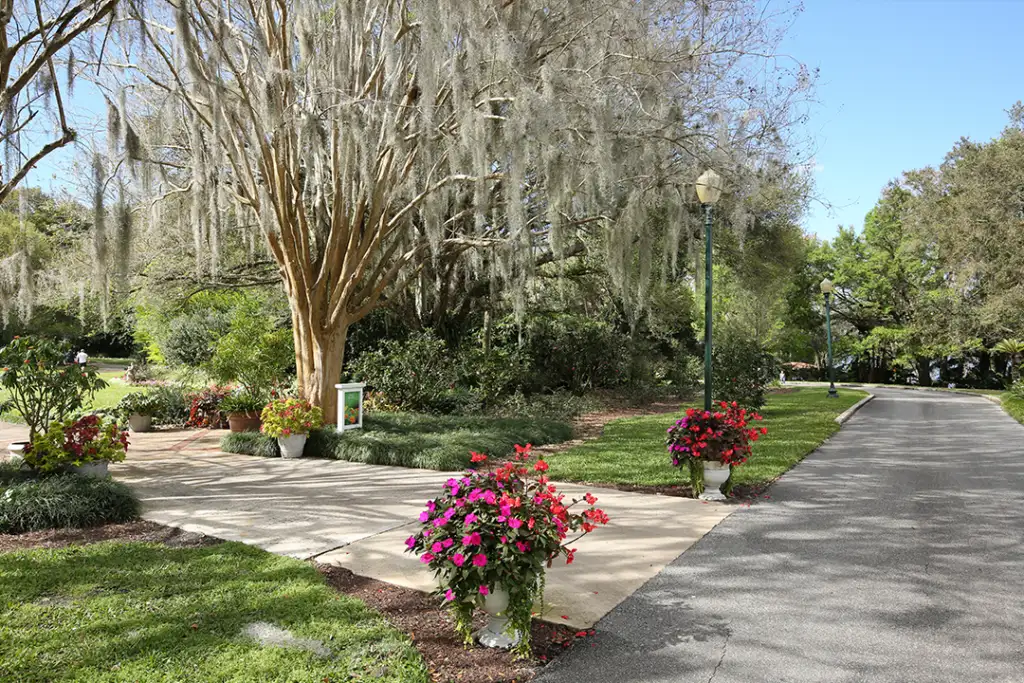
(82, 358)
(70, 358)
(782, 376)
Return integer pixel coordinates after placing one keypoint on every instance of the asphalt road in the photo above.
(893, 553)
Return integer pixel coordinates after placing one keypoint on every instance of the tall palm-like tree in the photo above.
(1014, 348)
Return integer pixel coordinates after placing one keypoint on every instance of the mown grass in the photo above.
(30, 502)
(145, 612)
(103, 399)
(1013, 405)
(632, 451)
(437, 442)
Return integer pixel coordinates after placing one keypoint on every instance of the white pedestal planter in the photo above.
(715, 474)
(292, 446)
(493, 634)
(97, 470)
(140, 423)
(16, 452)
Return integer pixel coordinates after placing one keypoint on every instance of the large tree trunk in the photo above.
(319, 356)
(924, 372)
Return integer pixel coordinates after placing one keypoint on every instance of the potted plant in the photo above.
(40, 386)
(489, 538)
(86, 446)
(204, 408)
(289, 420)
(137, 409)
(708, 444)
(243, 411)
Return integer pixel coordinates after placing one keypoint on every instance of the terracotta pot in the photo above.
(244, 422)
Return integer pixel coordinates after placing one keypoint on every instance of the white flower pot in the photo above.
(97, 470)
(16, 452)
(715, 475)
(292, 446)
(140, 423)
(494, 633)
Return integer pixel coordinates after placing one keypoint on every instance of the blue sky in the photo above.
(901, 81)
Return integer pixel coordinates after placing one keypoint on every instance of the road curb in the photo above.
(842, 419)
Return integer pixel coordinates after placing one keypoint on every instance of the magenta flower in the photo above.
(504, 539)
(472, 539)
(448, 595)
(437, 547)
(484, 590)
(471, 517)
(440, 521)
(489, 497)
(523, 547)
(424, 516)
(426, 558)
(515, 523)
(410, 542)
(430, 505)
(447, 543)
(480, 560)
(459, 559)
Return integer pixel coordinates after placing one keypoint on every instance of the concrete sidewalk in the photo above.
(358, 516)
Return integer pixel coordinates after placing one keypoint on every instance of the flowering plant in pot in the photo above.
(290, 420)
(243, 410)
(137, 410)
(709, 444)
(204, 410)
(490, 536)
(85, 445)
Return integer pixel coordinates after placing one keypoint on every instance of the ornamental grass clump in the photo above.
(724, 436)
(500, 530)
(289, 417)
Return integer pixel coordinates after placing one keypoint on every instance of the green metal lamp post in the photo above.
(826, 289)
(709, 189)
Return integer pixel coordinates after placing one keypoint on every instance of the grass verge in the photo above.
(61, 501)
(145, 612)
(1013, 405)
(436, 442)
(632, 451)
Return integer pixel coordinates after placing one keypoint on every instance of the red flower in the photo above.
(541, 466)
(476, 457)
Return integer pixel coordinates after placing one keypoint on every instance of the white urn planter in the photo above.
(140, 423)
(96, 470)
(494, 634)
(715, 475)
(16, 452)
(292, 446)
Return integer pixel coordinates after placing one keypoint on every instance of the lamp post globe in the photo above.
(826, 289)
(709, 190)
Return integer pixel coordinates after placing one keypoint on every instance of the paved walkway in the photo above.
(894, 553)
(359, 516)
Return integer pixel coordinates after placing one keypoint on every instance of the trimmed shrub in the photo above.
(250, 443)
(742, 371)
(192, 338)
(415, 440)
(61, 501)
(416, 374)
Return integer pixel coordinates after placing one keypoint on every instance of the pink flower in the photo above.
(447, 543)
(459, 559)
(424, 516)
(410, 542)
(490, 498)
(523, 547)
(472, 539)
(504, 539)
(436, 548)
(448, 595)
(479, 560)
(440, 521)
(470, 518)
(484, 590)
(426, 558)
(515, 523)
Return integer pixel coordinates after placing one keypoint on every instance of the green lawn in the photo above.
(1013, 405)
(145, 612)
(632, 451)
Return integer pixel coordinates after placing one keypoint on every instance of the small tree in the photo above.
(41, 387)
(252, 353)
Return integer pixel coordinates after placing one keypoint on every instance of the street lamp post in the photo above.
(826, 289)
(709, 189)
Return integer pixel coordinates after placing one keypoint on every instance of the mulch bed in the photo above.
(417, 614)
